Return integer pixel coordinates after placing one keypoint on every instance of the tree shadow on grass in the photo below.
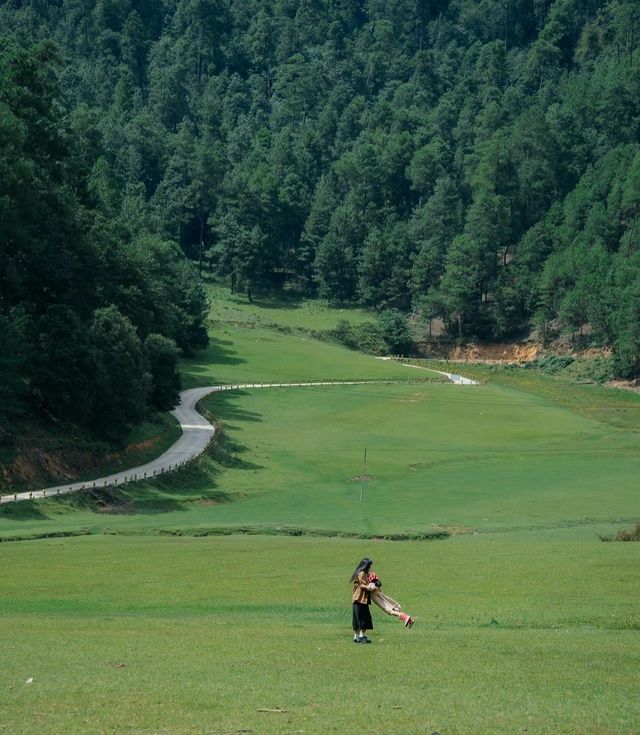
(277, 302)
(22, 510)
(221, 406)
(144, 499)
(219, 352)
(199, 367)
(195, 484)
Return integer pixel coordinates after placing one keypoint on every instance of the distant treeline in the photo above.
(472, 160)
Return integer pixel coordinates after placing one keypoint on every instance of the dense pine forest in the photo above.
(474, 161)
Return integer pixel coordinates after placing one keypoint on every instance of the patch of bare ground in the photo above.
(492, 353)
(487, 353)
(123, 509)
(632, 385)
(455, 530)
(217, 499)
(503, 352)
(35, 465)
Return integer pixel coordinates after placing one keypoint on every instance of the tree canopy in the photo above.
(92, 312)
(474, 161)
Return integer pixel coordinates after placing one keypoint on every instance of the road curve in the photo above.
(453, 377)
(197, 432)
(196, 435)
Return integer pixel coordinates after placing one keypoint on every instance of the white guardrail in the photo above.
(197, 433)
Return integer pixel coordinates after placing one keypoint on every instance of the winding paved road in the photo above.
(197, 432)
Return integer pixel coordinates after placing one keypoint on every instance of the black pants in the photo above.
(361, 617)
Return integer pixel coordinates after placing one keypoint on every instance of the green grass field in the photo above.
(289, 314)
(187, 635)
(240, 354)
(527, 621)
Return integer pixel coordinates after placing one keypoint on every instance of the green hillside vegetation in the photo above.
(476, 162)
(313, 316)
(93, 317)
(472, 162)
(613, 407)
(47, 453)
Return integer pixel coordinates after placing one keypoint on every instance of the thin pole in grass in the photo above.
(364, 474)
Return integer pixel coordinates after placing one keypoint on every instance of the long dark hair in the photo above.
(363, 566)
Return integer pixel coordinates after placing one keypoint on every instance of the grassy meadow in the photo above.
(219, 635)
(153, 622)
(282, 314)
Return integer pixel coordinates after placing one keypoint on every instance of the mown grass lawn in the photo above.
(527, 622)
(465, 457)
(240, 355)
(296, 314)
(461, 458)
(186, 635)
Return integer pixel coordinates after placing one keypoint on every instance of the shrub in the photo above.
(366, 337)
(121, 380)
(550, 364)
(162, 363)
(12, 370)
(395, 332)
(632, 534)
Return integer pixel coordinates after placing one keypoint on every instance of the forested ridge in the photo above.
(472, 160)
(93, 313)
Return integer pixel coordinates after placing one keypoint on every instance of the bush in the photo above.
(626, 534)
(550, 364)
(395, 332)
(12, 371)
(599, 369)
(162, 362)
(632, 534)
(388, 335)
(121, 380)
(366, 337)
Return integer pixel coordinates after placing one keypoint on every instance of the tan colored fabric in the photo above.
(384, 602)
(361, 591)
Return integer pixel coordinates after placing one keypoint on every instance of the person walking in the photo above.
(361, 599)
